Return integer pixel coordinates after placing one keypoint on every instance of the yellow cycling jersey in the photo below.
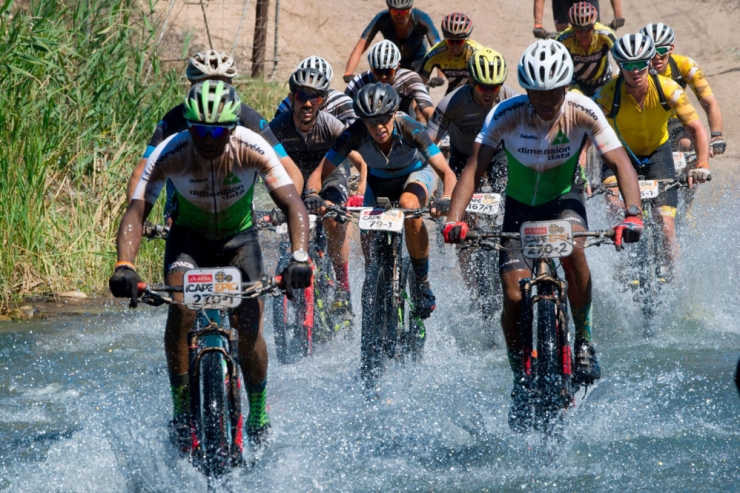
(455, 68)
(644, 129)
(691, 75)
(590, 66)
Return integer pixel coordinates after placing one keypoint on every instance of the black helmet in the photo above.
(310, 81)
(376, 100)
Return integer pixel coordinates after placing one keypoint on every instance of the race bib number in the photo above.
(546, 239)
(381, 220)
(679, 160)
(648, 189)
(213, 288)
(486, 204)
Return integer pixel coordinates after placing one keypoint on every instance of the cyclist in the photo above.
(450, 57)
(335, 103)
(308, 133)
(589, 43)
(384, 59)
(402, 162)
(684, 71)
(210, 65)
(213, 167)
(542, 134)
(406, 27)
(638, 105)
(560, 14)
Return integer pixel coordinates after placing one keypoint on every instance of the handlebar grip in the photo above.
(279, 282)
(141, 287)
(472, 235)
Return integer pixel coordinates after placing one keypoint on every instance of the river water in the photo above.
(84, 402)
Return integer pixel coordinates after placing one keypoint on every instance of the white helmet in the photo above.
(633, 47)
(661, 34)
(210, 64)
(384, 55)
(318, 63)
(545, 65)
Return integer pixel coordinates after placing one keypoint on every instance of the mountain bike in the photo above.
(547, 356)
(388, 331)
(213, 373)
(310, 316)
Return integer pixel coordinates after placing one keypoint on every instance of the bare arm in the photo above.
(356, 159)
(134, 180)
(629, 185)
(539, 12)
(701, 144)
(440, 166)
(325, 168)
(427, 113)
(289, 201)
(130, 230)
(293, 172)
(617, 8)
(354, 57)
(477, 164)
(714, 115)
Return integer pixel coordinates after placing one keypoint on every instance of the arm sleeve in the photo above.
(372, 29)
(414, 132)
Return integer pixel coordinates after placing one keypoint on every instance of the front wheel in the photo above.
(376, 313)
(215, 422)
(551, 389)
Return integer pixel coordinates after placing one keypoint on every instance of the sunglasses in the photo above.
(583, 29)
(662, 50)
(215, 131)
(399, 12)
(636, 65)
(455, 42)
(384, 72)
(487, 87)
(380, 120)
(302, 97)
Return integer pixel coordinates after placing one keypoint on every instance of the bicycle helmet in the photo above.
(400, 4)
(318, 63)
(457, 26)
(384, 55)
(661, 34)
(212, 102)
(582, 14)
(633, 47)
(488, 67)
(310, 81)
(375, 100)
(210, 64)
(545, 65)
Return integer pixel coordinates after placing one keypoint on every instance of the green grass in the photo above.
(79, 103)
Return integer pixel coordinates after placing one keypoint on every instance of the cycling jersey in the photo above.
(455, 68)
(336, 103)
(462, 117)
(591, 66)
(410, 150)
(307, 151)
(174, 122)
(213, 197)
(543, 156)
(690, 74)
(644, 129)
(414, 47)
(407, 84)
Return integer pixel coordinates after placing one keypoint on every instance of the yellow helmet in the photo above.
(487, 66)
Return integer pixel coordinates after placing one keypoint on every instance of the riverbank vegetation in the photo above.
(81, 94)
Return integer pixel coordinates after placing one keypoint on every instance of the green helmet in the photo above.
(212, 102)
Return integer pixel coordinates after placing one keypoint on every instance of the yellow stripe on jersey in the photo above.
(692, 74)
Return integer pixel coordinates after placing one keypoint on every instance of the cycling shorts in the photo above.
(496, 173)
(392, 188)
(560, 10)
(659, 166)
(571, 207)
(335, 188)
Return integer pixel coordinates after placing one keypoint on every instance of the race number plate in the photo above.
(381, 220)
(648, 189)
(546, 239)
(213, 288)
(487, 204)
(679, 160)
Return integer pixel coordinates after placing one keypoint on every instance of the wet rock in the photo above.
(78, 295)
(28, 310)
(4, 318)
(17, 314)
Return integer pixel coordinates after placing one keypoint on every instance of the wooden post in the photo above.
(260, 38)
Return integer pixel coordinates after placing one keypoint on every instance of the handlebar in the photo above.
(148, 292)
(482, 235)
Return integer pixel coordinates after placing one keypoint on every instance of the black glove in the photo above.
(436, 81)
(314, 203)
(540, 33)
(277, 217)
(442, 205)
(617, 23)
(297, 275)
(348, 78)
(124, 283)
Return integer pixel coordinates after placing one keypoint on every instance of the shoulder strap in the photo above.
(659, 88)
(675, 73)
(617, 98)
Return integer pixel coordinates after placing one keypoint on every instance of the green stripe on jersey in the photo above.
(226, 222)
(531, 187)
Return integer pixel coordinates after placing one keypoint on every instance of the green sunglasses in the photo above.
(636, 65)
(662, 50)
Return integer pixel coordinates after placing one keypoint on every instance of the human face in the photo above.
(400, 16)
(384, 75)
(660, 61)
(306, 107)
(455, 46)
(637, 77)
(485, 95)
(381, 129)
(547, 104)
(584, 34)
(208, 146)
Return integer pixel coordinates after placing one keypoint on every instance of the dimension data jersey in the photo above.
(543, 156)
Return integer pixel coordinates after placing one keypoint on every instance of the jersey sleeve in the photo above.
(344, 109)
(492, 133)
(153, 177)
(372, 29)
(348, 141)
(440, 121)
(431, 31)
(427, 65)
(284, 106)
(695, 78)
(355, 85)
(678, 101)
(165, 128)
(590, 117)
(419, 92)
(257, 152)
(414, 132)
(252, 120)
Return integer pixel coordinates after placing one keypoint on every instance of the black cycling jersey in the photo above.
(336, 103)
(415, 46)
(174, 122)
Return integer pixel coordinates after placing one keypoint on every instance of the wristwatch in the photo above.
(632, 211)
(716, 134)
(299, 256)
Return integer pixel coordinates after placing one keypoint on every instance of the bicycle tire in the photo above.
(293, 338)
(325, 326)
(550, 382)
(490, 294)
(215, 418)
